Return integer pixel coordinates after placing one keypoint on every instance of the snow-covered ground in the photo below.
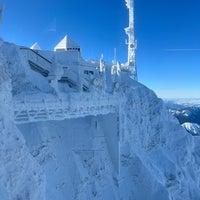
(137, 151)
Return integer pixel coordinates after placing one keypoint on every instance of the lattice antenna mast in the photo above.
(132, 44)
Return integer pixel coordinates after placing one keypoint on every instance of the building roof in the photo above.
(35, 46)
(66, 44)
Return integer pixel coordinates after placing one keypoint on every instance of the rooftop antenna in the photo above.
(1, 11)
(115, 56)
(102, 66)
(132, 44)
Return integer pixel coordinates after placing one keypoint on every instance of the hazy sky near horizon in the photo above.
(167, 31)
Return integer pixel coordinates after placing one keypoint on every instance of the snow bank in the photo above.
(23, 79)
(157, 155)
(20, 176)
(157, 158)
(77, 156)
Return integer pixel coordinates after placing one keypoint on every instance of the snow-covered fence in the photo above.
(40, 107)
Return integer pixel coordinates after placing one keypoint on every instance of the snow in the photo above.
(183, 102)
(20, 175)
(192, 128)
(137, 150)
(75, 161)
(185, 113)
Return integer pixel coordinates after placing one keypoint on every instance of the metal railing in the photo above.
(47, 107)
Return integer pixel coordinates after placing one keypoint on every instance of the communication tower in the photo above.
(132, 43)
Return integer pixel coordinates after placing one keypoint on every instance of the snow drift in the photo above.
(138, 152)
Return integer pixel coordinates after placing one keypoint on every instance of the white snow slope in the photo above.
(139, 152)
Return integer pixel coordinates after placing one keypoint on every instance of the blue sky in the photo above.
(168, 34)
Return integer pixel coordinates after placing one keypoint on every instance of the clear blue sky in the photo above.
(168, 34)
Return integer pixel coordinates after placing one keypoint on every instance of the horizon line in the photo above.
(198, 49)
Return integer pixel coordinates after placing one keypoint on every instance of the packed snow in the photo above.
(136, 150)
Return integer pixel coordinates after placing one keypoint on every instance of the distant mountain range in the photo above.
(187, 111)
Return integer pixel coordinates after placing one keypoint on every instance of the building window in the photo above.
(88, 72)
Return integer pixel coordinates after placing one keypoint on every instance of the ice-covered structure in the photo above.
(79, 129)
(67, 44)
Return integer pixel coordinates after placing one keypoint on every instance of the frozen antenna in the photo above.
(115, 57)
(131, 64)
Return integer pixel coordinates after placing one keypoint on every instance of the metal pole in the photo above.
(132, 44)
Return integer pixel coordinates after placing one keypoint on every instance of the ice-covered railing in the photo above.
(34, 56)
(44, 107)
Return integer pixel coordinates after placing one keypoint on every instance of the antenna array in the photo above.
(132, 44)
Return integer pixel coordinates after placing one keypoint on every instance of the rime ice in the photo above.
(83, 129)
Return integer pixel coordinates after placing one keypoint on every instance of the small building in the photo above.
(67, 44)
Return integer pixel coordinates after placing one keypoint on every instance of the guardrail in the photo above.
(39, 60)
(36, 53)
(47, 107)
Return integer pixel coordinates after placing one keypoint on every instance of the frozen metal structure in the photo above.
(46, 107)
(76, 87)
(132, 44)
